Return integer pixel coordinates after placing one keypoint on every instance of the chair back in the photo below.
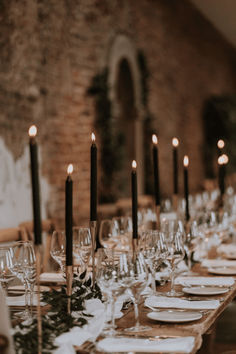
(48, 226)
(13, 234)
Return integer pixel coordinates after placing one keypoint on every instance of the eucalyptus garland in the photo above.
(57, 320)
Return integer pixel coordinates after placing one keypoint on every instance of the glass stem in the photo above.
(31, 297)
(26, 297)
(189, 261)
(153, 282)
(113, 312)
(172, 279)
(136, 313)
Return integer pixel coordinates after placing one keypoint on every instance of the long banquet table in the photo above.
(196, 328)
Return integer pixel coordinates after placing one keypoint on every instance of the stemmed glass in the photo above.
(175, 254)
(22, 263)
(58, 248)
(109, 233)
(150, 246)
(135, 280)
(191, 239)
(82, 245)
(124, 229)
(110, 271)
(5, 273)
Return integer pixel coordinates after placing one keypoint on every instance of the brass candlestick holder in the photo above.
(158, 210)
(175, 202)
(69, 279)
(93, 226)
(39, 317)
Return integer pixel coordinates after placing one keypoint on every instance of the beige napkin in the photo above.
(78, 335)
(5, 327)
(218, 263)
(228, 250)
(20, 300)
(52, 277)
(173, 302)
(123, 344)
(215, 281)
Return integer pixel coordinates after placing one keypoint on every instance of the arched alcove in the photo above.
(127, 110)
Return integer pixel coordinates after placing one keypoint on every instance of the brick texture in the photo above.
(49, 53)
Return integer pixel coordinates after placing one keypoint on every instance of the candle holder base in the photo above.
(175, 202)
(69, 280)
(93, 226)
(158, 211)
(39, 317)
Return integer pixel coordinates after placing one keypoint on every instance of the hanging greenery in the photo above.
(148, 122)
(112, 138)
(57, 321)
(219, 121)
(109, 139)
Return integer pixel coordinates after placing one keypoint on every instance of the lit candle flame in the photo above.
(70, 169)
(186, 161)
(175, 142)
(154, 139)
(134, 164)
(93, 137)
(226, 159)
(223, 159)
(33, 131)
(220, 144)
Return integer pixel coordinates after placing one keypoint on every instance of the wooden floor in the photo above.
(221, 339)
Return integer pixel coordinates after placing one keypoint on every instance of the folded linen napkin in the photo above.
(5, 324)
(52, 277)
(77, 336)
(218, 263)
(219, 281)
(228, 250)
(173, 302)
(174, 345)
(20, 300)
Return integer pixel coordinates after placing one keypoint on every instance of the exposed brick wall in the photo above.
(49, 52)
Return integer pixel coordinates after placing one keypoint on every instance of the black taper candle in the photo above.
(35, 185)
(156, 170)
(186, 191)
(175, 144)
(93, 181)
(222, 161)
(134, 200)
(69, 216)
(220, 146)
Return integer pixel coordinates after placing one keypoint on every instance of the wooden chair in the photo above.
(13, 234)
(48, 226)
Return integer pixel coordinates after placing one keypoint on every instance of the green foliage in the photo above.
(219, 122)
(148, 122)
(57, 320)
(110, 139)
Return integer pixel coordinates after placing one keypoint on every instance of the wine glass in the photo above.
(22, 263)
(149, 245)
(124, 229)
(5, 273)
(191, 239)
(58, 248)
(108, 233)
(82, 245)
(110, 271)
(175, 254)
(135, 279)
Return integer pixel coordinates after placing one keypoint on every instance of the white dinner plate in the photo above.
(174, 316)
(223, 270)
(205, 290)
(22, 288)
(230, 256)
